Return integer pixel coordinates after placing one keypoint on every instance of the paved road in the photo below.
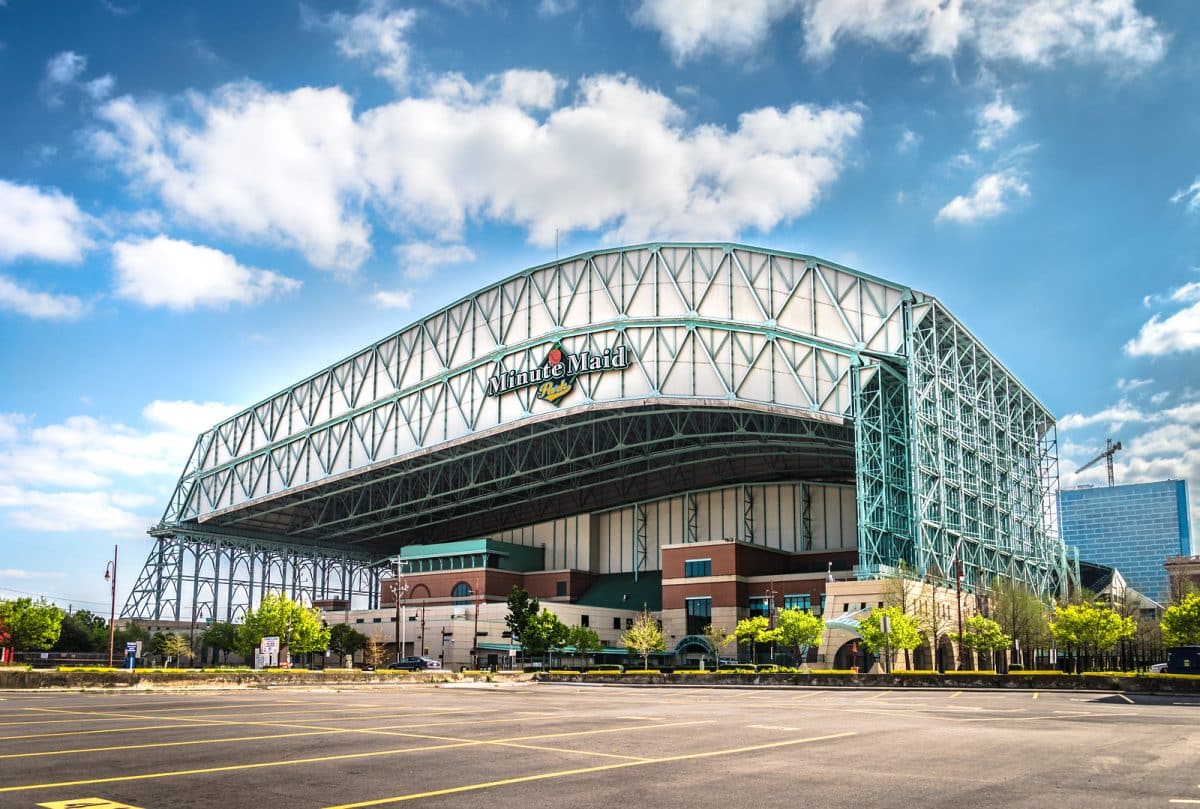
(538, 746)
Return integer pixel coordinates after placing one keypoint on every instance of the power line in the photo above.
(48, 597)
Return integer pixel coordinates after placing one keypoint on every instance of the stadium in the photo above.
(705, 431)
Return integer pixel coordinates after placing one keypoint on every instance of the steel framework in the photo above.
(745, 365)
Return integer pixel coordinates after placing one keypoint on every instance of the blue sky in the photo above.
(200, 204)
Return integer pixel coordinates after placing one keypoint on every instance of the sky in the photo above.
(201, 203)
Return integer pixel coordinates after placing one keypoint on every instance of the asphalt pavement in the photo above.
(552, 745)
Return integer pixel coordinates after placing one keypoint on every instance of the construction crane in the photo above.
(1107, 455)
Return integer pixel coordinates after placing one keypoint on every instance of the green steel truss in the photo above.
(741, 358)
(956, 462)
(199, 576)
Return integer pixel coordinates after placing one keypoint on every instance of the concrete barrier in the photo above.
(182, 678)
(1155, 683)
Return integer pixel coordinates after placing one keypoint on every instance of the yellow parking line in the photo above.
(169, 744)
(955, 694)
(317, 730)
(341, 757)
(584, 770)
(232, 767)
(880, 694)
(105, 730)
(1127, 699)
(1035, 695)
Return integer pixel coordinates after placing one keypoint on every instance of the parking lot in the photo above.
(579, 746)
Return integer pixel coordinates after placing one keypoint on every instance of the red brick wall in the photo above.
(495, 585)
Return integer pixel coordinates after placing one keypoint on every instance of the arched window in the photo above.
(461, 593)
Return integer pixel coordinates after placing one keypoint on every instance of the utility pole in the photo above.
(110, 573)
(400, 588)
(958, 577)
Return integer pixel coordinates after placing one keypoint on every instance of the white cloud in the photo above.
(990, 196)
(1190, 196)
(186, 417)
(1133, 384)
(276, 167)
(909, 140)
(41, 224)
(398, 299)
(1035, 32)
(299, 169)
(40, 305)
(61, 71)
(1174, 333)
(63, 512)
(377, 36)
(181, 275)
(1177, 332)
(90, 474)
(1116, 417)
(619, 158)
(692, 27)
(101, 88)
(996, 119)
(523, 89)
(553, 8)
(419, 260)
(21, 573)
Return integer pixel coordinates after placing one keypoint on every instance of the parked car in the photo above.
(416, 664)
(1158, 668)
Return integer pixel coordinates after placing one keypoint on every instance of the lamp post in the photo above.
(771, 618)
(958, 577)
(400, 588)
(110, 575)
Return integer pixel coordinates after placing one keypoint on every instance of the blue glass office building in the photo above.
(1133, 528)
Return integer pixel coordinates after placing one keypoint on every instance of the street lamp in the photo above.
(110, 574)
(400, 589)
(958, 577)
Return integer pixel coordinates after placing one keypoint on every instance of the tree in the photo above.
(585, 640)
(221, 636)
(521, 608)
(372, 654)
(983, 635)
(1021, 613)
(1181, 623)
(543, 633)
(30, 625)
(753, 631)
(298, 628)
(901, 589)
(82, 632)
(903, 634)
(797, 630)
(933, 620)
(1090, 628)
(718, 638)
(345, 640)
(175, 647)
(644, 637)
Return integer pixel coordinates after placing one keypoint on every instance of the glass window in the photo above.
(583, 620)
(798, 602)
(616, 623)
(560, 588)
(699, 614)
(461, 593)
(759, 606)
(697, 567)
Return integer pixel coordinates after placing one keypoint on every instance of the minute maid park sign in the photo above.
(555, 377)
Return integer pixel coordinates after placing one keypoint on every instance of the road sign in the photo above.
(885, 624)
(131, 647)
(270, 646)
